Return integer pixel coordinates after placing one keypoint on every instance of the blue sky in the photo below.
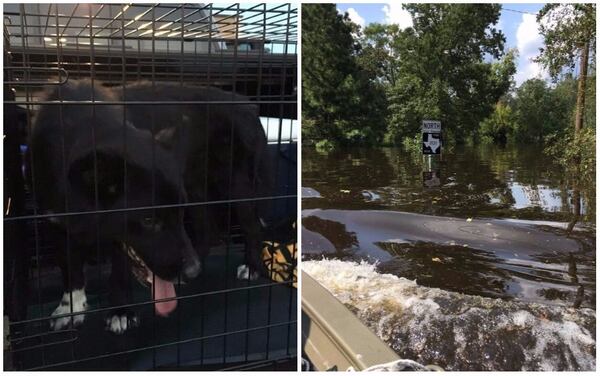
(520, 29)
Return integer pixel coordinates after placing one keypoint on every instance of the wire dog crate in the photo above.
(221, 322)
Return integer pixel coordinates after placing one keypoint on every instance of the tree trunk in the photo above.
(583, 67)
(576, 210)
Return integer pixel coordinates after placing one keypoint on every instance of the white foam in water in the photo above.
(457, 331)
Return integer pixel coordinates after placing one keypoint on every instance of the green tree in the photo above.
(385, 50)
(443, 73)
(542, 110)
(533, 112)
(569, 32)
(500, 125)
(339, 101)
(531, 107)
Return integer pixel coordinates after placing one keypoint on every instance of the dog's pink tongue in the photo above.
(164, 290)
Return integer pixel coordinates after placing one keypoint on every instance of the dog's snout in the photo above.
(191, 263)
(191, 268)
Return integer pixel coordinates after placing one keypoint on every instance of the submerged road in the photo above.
(365, 229)
(533, 261)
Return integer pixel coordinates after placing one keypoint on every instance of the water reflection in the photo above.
(512, 182)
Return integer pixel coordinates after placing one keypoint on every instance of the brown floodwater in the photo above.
(483, 260)
(492, 222)
(485, 202)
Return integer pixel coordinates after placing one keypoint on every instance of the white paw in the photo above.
(119, 324)
(64, 307)
(243, 273)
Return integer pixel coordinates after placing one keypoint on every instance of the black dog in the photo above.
(112, 157)
(221, 148)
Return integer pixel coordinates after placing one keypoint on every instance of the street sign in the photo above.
(432, 137)
(431, 126)
(432, 143)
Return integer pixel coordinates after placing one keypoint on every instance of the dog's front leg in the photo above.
(251, 228)
(250, 224)
(74, 298)
(120, 319)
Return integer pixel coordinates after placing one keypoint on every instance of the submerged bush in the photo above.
(577, 154)
(325, 146)
(413, 144)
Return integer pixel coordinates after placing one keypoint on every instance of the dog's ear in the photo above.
(104, 172)
(177, 141)
(167, 137)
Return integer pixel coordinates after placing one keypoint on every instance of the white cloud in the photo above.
(355, 17)
(529, 42)
(394, 14)
(528, 36)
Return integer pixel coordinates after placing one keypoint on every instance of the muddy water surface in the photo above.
(491, 223)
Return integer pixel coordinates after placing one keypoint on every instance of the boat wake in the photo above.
(458, 331)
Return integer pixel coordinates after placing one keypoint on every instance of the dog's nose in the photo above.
(191, 268)
(191, 263)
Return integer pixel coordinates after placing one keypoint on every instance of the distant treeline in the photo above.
(538, 111)
(374, 85)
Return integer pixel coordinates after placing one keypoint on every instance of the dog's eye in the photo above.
(151, 223)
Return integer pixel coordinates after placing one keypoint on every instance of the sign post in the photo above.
(432, 137)
(432, 145)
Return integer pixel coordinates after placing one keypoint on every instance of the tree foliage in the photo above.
(537, 112)
(382, 81)
(378, 83)
(385, 49)
(569, 32)
(500, 125)
(438, 68)
(532, 103)
(565, 28)
(339, 101)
